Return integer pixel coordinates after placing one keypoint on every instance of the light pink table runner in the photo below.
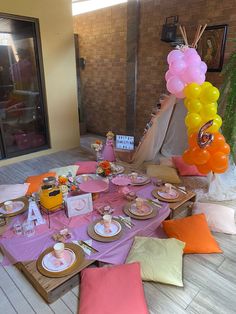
(20, 248)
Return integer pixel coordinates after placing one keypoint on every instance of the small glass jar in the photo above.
(28, 228)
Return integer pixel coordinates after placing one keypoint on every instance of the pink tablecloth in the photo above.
(21, 248)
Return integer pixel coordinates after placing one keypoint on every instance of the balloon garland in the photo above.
(185, 78)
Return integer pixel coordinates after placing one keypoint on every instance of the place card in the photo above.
(79, 204)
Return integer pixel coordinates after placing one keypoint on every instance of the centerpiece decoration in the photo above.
(97, 147)
(185, 78)
(108, 151)
(104, 168)
(67, 183)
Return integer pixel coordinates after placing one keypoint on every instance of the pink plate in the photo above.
(147, 209)
(53, 264)
(94, 186)
(121, 180)
(169, 196)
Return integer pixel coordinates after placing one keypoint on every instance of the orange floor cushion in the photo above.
(36, 181)
(194, 231)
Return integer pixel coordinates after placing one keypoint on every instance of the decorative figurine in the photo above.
(108, 151)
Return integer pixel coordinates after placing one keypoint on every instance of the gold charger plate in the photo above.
(79, 259)
(142, 183)
(20, 199)
(91, 232)
(167, 200)
(151, 215)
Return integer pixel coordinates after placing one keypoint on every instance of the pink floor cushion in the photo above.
(185, 169)
(112, 290)
(86, 167)
(219, 218)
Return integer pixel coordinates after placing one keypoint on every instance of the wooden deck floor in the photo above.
(209, 279)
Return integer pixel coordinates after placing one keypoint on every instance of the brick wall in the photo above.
(104, 79)
(102, 42)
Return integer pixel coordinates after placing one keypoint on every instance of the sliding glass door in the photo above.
(23, 119)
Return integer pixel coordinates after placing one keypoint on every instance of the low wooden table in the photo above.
(178, 207)
(51, 288)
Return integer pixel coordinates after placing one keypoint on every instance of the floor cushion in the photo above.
(160, 259)
(185, 169)
(195, 232)
(219, 218)
(86, 167)
(11, 191)
(112, 290)
(164, 173)
(36, 181)
(63, 171)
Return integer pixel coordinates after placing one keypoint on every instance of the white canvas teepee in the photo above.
(167, 135)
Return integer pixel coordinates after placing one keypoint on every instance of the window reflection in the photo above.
(22, 118)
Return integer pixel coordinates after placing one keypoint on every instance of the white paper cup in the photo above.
(59, 249)
(133, 176)
(84, 177)
(139, 202)
(107, 222)
(168, 188)
(8, 206)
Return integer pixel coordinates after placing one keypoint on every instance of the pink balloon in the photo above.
(174, 55)
(177, 66)
(168, 75)
(190, 52)
(203, 67)
(180, 95)
(201, 78)
(192, 74)
(175, 85)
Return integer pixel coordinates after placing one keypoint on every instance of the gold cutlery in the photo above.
(82, 243)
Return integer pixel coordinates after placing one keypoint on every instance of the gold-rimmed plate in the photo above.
(153, 214)
(98, 237)
(146, 210)
(79, 258)
(21, 204)
(140, 180)
(156, 194)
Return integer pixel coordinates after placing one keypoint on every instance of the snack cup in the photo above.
(133, 176)
(168, 188)
(8, 206)
(139, 202)
(107, 223)
(84, 177)
(59, 249)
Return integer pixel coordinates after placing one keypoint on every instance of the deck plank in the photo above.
(5, 304)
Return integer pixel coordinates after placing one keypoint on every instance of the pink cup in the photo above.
(59, 249)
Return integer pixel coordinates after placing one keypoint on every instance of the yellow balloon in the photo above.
(192, 90)
(191, 131)
(194, 105)
(186, 102)
(214, 128)
(205, 84)
(218, 120)
(210, 93)
(193, 120)
(209, 111)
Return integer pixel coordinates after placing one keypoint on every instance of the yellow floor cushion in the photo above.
(160, 259)
(164, 173)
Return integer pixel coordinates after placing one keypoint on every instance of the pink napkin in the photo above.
(86, 167)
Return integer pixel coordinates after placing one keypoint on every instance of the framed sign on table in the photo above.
(211, 47)
(79, 204)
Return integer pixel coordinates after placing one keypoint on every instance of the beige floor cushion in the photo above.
(164, 173)
(160, 259)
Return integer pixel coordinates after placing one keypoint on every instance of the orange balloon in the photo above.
(192, 140)
(218, 141)
(218, 161)
(222, 170)
(224, 148)
(200, 156)
(204, 169)
(218, 137)
(187, 157)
